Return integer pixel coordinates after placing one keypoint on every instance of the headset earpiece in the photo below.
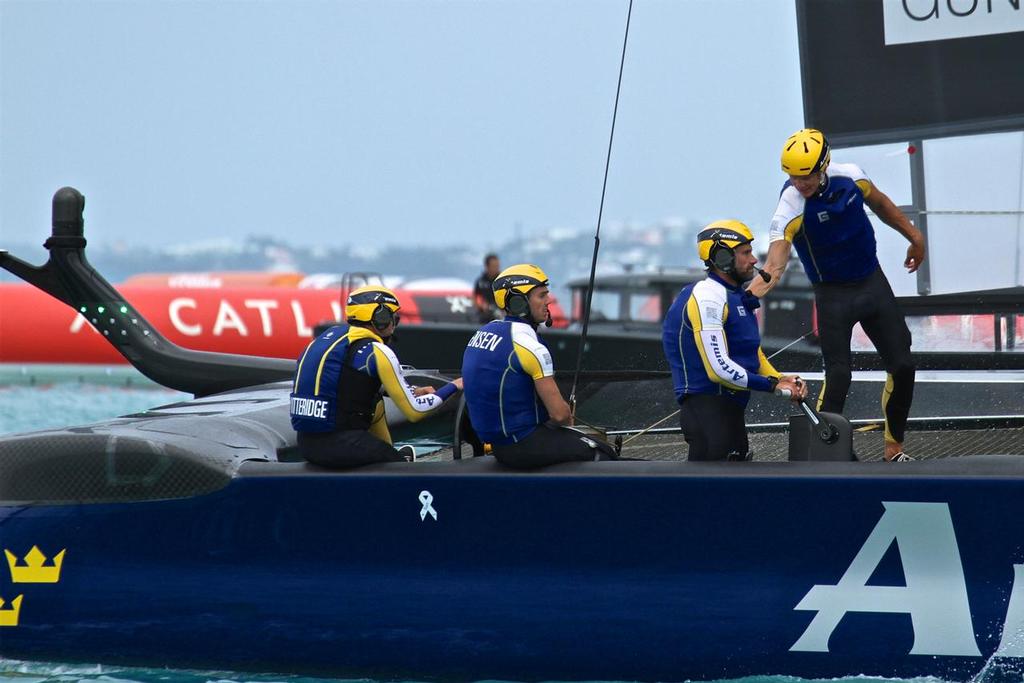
(516, 303)
(723, 258)
(382, 317)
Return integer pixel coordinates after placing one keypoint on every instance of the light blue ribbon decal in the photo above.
(426, 499)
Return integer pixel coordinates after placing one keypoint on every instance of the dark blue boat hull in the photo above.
(663, 572)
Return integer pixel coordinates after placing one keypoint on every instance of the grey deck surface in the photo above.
(867, 444)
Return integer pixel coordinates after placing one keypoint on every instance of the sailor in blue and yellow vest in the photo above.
(336, 404)
(713, 347)
(511, 396)
(821, 213)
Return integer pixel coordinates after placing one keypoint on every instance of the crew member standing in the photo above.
(713, 347)
(336, 405)
(513, 401)
(821, 213)
(483, 294)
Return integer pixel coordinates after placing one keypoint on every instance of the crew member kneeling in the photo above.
(713, 347)
(336, 406)
(513, 401)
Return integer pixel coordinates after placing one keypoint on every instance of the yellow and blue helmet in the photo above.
(717, 241)
(372, 304)
(806, 151)
(513, 285)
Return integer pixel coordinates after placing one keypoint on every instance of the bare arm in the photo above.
(551, 397)
(885, 209)
(775, 265)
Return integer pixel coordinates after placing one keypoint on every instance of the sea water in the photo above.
(66, 398)
(39, 672)
(30, 408)
(33, 672)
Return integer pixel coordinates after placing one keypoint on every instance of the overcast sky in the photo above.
(410, 122)
(395, 121)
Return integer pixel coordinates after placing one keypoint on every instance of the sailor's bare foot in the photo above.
(894, 452)
(892, 448)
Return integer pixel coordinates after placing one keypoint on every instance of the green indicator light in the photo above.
(83, 309)
(100, 309)
(124, 309)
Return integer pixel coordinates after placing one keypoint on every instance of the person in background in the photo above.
(821, 213)
(483, 294)
(336, 406)
(511, 395)
(713, 347)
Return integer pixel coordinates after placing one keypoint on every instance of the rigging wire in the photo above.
(600, 213)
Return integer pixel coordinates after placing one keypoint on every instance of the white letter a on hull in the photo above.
(935, 596)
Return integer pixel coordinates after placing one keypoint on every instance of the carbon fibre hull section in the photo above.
(459, 570)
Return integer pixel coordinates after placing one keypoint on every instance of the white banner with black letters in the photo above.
(917, 21)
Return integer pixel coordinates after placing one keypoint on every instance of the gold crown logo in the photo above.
(33, 571)
(9, 617)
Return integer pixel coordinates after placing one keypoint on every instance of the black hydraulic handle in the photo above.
(825, 430)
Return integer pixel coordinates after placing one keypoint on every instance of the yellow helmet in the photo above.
(805, 152)
(717, 241)
(372, 304)
(513, 284)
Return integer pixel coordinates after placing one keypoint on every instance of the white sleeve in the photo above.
(531, 352)
(852, 171)
(711, 300)
(389, 371)
(789, 208)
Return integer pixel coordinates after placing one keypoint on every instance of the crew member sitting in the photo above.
(513, 401)
(336, 405)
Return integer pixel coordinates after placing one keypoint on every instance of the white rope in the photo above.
(953, 212)
(647, 429)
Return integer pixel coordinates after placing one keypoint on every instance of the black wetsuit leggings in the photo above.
(871, 303)
(347, 448)
(713, 427)
(550, 445)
